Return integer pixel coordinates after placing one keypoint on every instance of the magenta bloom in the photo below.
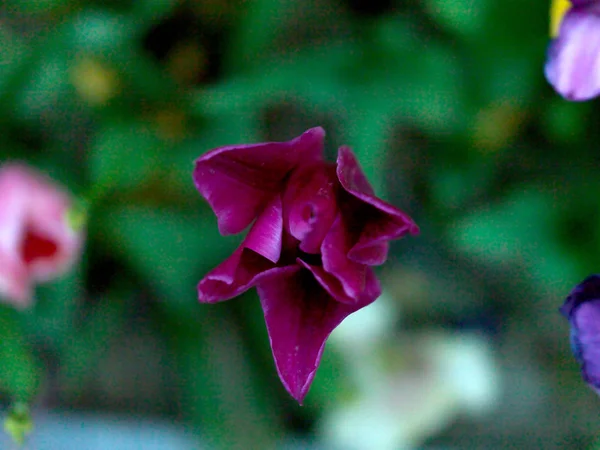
(37, 244)
(317, 228)
(573, 66)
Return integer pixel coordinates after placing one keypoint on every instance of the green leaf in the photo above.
(52, 317)
(171, 250)
(100, 32)
(19, 369)
(44, 89)
(13, 54)
(80, 352)
(38, 6)
(462, 17)
(260, 24)
(566, 121)
(368, 134)
(519, 232)
(222, 392)
(153, 10)
(123, 154)
(454, 185)
(309, 77)
(500, 232)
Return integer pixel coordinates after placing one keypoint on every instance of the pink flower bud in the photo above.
(37, 243)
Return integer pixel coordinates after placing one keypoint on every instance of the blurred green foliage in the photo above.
(444, 103)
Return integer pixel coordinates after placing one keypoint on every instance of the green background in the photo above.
(444, 103)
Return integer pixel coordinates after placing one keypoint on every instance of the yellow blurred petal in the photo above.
(558, 9)
(171, 123)
(96, 83)
(496, 125)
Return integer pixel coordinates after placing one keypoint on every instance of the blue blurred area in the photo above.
(71, 431)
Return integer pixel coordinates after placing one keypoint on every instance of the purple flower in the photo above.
(582, 308)
(573, 65)
(316, 230)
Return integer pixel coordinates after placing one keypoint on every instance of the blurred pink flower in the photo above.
(37, 243)
(317, 228)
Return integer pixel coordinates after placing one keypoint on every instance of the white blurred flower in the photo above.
(367, 326)
(466, 365)
(409, 390)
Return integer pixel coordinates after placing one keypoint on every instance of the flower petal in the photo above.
(582, 308)
(238, 181)
(300, 315)
(15, 282)
(13, 213)
(585, 339)
(235, 275)
(588, 289)
(50, 246)
(382, 221)
(334, 251)
(265, 236)
(333, 286)
(573, 66)
(260, 250)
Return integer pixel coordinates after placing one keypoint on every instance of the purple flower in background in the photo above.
(316, 231)
(573, 65)
(582, 308)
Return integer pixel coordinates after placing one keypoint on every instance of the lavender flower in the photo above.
(582, 308)
(573, 65)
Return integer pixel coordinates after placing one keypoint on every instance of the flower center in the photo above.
(312, 259)
(35, 246)
(310, 205)
(308, 214)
